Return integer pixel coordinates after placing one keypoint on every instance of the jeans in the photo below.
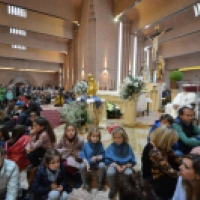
(56, 195)
(36, 156)
(111, 174)
(83, 172)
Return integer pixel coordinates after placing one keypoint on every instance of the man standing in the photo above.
(9, 178)
(189, 134)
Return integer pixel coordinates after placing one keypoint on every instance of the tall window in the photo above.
(19, 47)
(16, 31)
(17, 11)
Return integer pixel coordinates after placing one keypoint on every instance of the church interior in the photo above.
(51, 49)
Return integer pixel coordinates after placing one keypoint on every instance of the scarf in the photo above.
(52, 174)
(120, 154)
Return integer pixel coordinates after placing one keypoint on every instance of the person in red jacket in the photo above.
(16, 145)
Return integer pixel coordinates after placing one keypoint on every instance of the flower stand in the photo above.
(130, 112)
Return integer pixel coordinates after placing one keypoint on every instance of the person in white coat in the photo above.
(9, 178)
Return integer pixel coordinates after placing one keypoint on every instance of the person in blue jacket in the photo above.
(119, 158)
(93, 157)
(165, 119)
(50, 180)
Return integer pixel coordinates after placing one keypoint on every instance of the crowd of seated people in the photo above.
(167, 168)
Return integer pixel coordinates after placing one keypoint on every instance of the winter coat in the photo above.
(41, 185)
(17, 153)
(9, 180)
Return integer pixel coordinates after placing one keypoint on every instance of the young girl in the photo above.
(93, 156)
(15, 147)
(70, 146)
(119, 157)
(50, 180)
(42, 138)
(4, 135)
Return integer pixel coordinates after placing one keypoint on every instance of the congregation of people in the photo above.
(170, 159)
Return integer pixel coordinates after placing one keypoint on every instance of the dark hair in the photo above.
(28, 97)
(195, 158)
(182, 109)
(167, 117)
(17, 132)
(49, 155)
(65, 136)
(5, 132)
(133, 187)
(41, 121)
(93, 130)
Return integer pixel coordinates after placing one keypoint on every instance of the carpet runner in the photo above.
(53, 116)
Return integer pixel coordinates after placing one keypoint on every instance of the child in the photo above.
(4, 135)
(15, 147)
(119, 157)
(133, 187)
(70, 146)
(50, 180)
(42, 138)
(165, 119)
(93, 156)
(32, 116)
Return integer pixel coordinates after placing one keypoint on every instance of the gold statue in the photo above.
(160, 69)
(92, 86)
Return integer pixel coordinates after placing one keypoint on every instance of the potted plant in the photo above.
(175, 76)
(113, 111)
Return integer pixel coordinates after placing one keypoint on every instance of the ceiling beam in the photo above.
(146, 12)
(31, 54)
(28, 64)
(120, 6)
(37, 22)
(32, 40)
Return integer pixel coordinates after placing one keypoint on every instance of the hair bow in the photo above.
(111, 128)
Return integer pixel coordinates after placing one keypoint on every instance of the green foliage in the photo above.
(75, 113)
(176, 75)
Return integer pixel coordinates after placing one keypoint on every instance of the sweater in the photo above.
(17, 154)
(41, 185)
(9, 180)
(70, 150)
(92, 149)
(186, 132)
(119, 154)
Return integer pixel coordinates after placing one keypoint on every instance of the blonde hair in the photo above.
(119, 130)
(164, 138)
(93, 130)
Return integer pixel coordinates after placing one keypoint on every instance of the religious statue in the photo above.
(155, 44)
(160, 69)
(92, 86)
(144, 72)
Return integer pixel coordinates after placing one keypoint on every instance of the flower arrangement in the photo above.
(75, 113)
(130, 86)
(113, 111)
(81, 88)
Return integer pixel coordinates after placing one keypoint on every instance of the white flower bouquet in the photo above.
(130, 86)
(81, 88)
